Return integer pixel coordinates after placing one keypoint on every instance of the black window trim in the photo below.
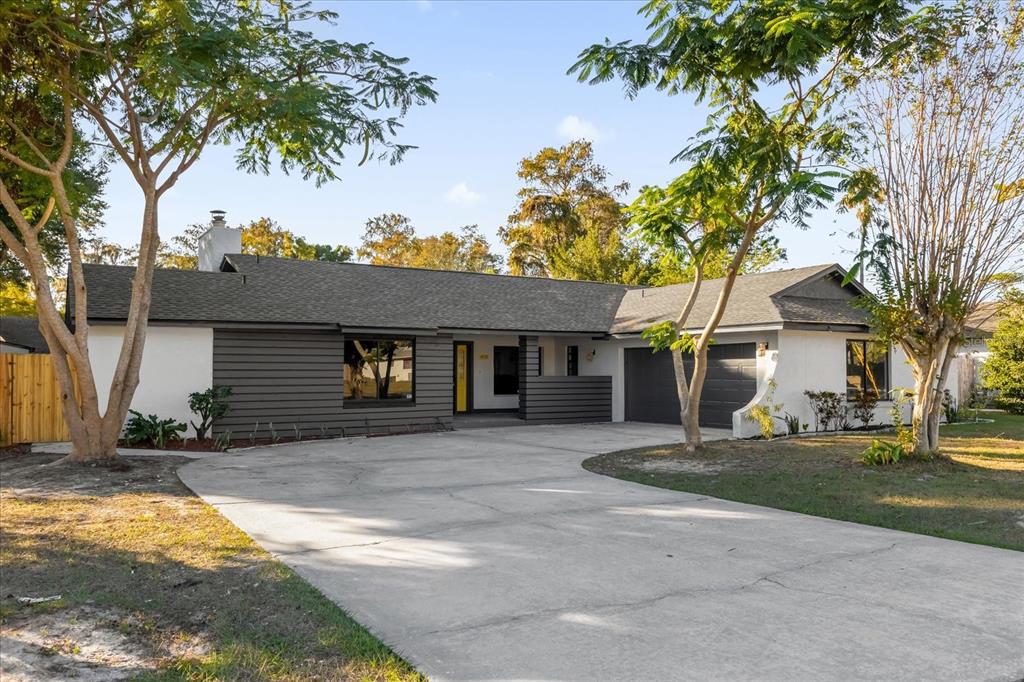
(373, 403)
(494, 369)
(572, 360)
(887, 388)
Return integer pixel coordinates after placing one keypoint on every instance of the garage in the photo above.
(651, 386)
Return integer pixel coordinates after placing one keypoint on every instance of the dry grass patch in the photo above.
(974, 492)
(155, 584)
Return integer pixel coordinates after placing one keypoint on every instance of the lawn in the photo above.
(974, 493)
(156, 585)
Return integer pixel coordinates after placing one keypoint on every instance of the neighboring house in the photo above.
(973, 353)
(325, 347)
(21, 335)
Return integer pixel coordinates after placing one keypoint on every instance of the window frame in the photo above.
(883, 390)
(494, 369)
(572, 360)
(358, 403)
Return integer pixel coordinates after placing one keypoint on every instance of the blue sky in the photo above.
(503, 95)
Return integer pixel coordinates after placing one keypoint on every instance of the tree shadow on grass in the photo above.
(174, 576)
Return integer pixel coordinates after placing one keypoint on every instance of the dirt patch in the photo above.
(81, 643)
(39, 475)
(688, 466)
(153, 581)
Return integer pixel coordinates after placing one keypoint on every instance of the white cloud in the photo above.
(424, 5)
(462, 194)
(574, 128)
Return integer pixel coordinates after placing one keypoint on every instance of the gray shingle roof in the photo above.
(24, 332)
(281, 290)
(756, 299)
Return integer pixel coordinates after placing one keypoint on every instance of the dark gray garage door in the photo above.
(651, 385)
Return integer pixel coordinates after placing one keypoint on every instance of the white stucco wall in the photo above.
(176, 361)
(816, 361)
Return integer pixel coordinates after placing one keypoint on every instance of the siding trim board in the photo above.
(293, 380)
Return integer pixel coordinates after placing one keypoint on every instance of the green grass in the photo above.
(137, 553)
(974, 492)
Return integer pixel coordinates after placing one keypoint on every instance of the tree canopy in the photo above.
(390, 239)
(568, 222)
(774, 146)
(149, 86)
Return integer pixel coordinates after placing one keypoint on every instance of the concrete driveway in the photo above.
(492, 555)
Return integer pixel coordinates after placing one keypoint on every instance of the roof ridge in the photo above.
(415, 269)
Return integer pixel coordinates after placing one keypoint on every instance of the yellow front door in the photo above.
(461, 377)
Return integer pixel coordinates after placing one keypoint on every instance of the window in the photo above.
(572, 361)
(378, 370)
(506, 370)
(867, 368)
(540, 361)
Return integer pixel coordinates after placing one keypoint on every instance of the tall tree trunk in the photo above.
(691, 417)
(691, 430)
(95, 440)
(930, 365)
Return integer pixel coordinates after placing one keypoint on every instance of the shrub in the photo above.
(151, 429)
(762, 414)
(792, 422)
(210, 405)
(828, 408)
(1003, 371)
(1011, 405)
(949, 407)
(864, 405)
(882, 452)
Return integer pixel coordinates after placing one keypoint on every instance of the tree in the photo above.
(466, 251)
(153, 84)
(1003, 371)
(390, 239)
(16, 300)
(569, 222)
(943, 196)
(773, 147)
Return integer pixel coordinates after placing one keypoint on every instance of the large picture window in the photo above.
(378, 370)
(506, 370)
(867, 368)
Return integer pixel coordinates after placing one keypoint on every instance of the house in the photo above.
(21, 335)
(344, 347)
(973, 352)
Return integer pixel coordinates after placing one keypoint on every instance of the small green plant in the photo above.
(763, 412)
(1011, 405)
(255, 431)
(274, 438)
(210, 405)
(882, 452)
(223, 441)
(949, 407)
(904, 435)
(151, 429)
(864, 404)
(792, 422)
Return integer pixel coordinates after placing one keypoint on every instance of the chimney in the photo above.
(216, 242)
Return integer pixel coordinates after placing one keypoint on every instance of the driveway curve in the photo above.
(492, 555)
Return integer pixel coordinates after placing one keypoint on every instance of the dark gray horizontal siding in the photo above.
(292, 380)
(552, 399)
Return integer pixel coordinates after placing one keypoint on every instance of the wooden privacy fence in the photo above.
(30, 410)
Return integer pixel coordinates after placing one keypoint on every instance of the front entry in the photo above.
(461, 373)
